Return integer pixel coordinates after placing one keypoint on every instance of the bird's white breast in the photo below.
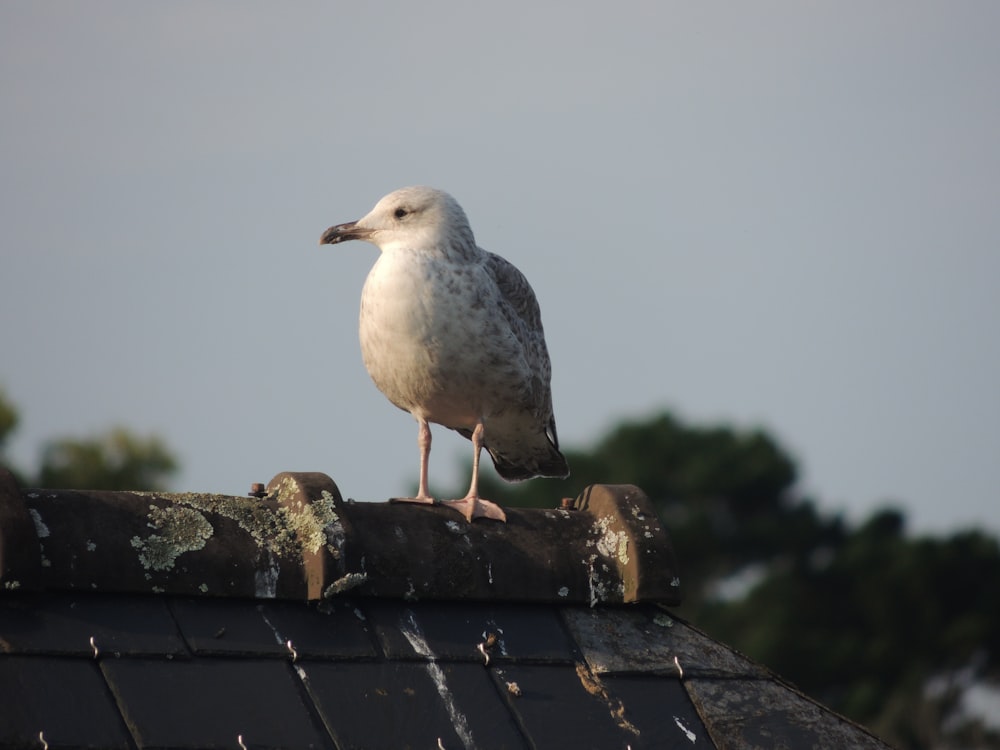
(422, 322)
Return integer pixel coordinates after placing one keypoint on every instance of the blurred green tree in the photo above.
(8, 419)
(113, 460)
(116, 459)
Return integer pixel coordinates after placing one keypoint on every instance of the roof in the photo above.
(298, 619)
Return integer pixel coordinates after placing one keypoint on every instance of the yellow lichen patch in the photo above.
(251, 515)
(345, 583)
(286, 490)
(286, 531)
(307, 524)
(178, 530)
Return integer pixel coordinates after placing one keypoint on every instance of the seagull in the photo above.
(452, 334)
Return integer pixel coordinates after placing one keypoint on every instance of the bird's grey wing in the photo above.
(518, 296)
(520, 308)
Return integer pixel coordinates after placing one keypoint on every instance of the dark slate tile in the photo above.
(66, 700)
(399, 705)
(65, 623)
(331, 629)
(453, 631)
(564, 706)
(491, 722)
(234, 627)
(210, 702)
(660, 709)
(766, 713)
(644, 638)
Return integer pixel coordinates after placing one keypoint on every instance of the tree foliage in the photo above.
(116, 459)
(8, 419)
(885, 628)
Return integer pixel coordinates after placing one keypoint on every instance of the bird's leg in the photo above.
(473, 506)
(424, 441)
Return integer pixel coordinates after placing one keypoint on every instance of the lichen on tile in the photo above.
(611, 543)
(345, 583)
(286, 531)
(177, 530)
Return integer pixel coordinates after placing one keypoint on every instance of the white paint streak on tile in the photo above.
(411, 630)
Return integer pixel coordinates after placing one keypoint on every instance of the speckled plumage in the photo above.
(452, 334)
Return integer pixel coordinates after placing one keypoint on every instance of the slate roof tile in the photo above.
(416, 705)
(770, 713)
(455, 631)
(58, 623)
(561, 706)
(332, 629)
(233, 627)
(660, 710)
(649, 639)
(211, 703)
(59, 701)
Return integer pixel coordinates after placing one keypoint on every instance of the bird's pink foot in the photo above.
(419, 500)
(476, 507)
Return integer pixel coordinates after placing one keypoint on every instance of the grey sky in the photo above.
(782, 214)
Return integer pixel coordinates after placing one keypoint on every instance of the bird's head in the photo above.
(420, 218)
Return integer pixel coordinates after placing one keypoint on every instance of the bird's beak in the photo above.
(344, 232)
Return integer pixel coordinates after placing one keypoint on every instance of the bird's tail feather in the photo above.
(525, 456)
(549, 463)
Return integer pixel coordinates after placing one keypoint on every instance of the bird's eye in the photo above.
(399, 213)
